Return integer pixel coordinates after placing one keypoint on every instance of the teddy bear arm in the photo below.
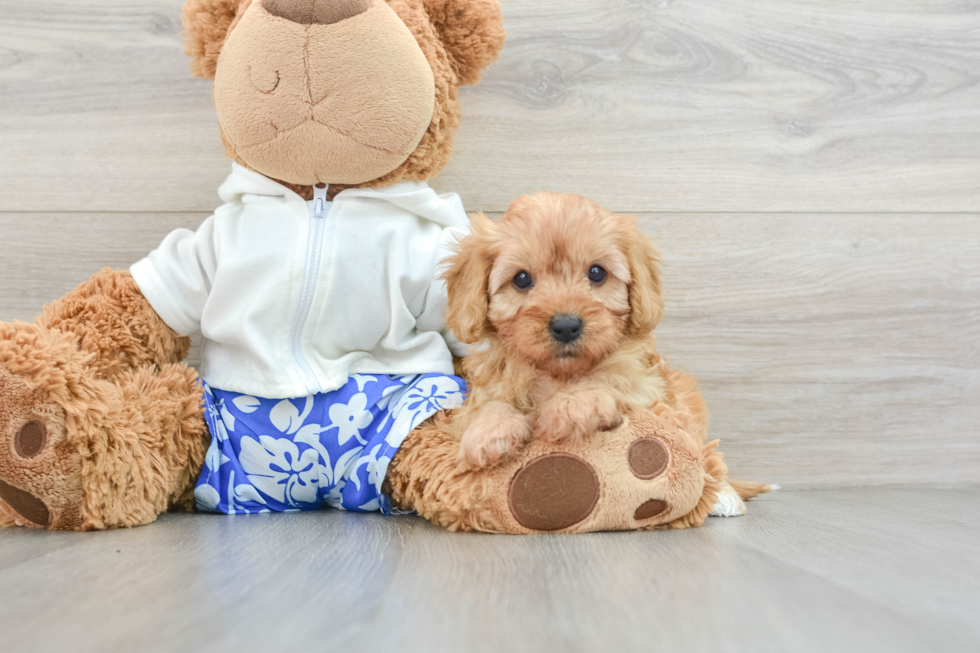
(112, 319)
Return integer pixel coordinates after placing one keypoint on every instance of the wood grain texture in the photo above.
(834, 350)
(853, 570)
(672, 105)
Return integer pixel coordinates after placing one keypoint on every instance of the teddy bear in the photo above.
(327, 367)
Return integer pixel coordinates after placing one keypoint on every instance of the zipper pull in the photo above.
(320, 200)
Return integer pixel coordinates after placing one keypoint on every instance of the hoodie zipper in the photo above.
(319, 210)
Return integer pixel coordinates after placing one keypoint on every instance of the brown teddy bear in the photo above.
(334, 112)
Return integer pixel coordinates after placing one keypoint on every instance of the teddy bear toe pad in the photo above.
(25, 505)
(649, 509)
(30, 439)
(648, 458)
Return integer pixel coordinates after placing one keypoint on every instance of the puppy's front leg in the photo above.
(498, 429)
(578, 412)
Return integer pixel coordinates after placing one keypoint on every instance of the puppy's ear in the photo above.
(472, 31)
(207, 24)
(467, 281)
(646, 299)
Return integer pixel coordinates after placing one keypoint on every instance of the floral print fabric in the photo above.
(332, 449)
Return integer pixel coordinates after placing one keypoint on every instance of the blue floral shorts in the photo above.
(332, 449)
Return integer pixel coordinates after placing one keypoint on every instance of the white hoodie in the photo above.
(294, 297)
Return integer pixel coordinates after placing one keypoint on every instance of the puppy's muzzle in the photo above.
(566, 328)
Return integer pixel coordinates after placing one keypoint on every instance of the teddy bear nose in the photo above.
(565, 328)
(316, 12)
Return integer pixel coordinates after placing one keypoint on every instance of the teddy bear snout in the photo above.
(316, 12)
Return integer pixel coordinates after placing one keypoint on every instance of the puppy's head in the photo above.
(559, 280)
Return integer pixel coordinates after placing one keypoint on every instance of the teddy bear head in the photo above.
(341, 92)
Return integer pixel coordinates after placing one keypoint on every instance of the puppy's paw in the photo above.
(608, 417)
(499, 430)
(728, 503)
(576, 416)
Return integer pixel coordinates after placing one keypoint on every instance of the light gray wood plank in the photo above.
(808, 571)
(930, 535)
(44, 256)
(833, 350)
(686, 105)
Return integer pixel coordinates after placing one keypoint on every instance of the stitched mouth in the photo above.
(283, 133)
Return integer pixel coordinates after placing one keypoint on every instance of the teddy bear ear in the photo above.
(207, 24)
(472, 31)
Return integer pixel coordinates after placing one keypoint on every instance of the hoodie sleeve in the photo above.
(437, 299)
(176, 277)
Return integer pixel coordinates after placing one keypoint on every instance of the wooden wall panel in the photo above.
(673, 105)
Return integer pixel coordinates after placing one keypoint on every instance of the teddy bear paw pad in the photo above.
(554, 492)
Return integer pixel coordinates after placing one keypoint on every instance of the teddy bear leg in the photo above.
(147, 457)
(647, 473)
(99, 427)
(82, 453)
(425, 477)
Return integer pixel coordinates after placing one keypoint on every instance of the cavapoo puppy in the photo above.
(562, 297)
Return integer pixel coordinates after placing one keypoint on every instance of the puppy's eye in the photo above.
(597, 274)
(523, 280)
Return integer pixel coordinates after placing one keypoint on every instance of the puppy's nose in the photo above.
(565, 328)
(316, 12)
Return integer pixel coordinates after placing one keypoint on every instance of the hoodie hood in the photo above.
(417, 197)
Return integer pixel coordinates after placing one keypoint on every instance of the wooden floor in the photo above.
(836, 570)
